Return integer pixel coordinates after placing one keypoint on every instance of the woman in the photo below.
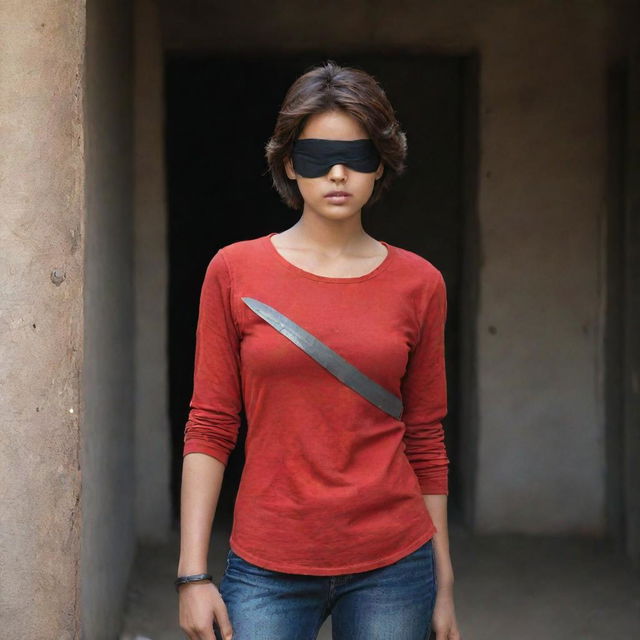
(342, 505)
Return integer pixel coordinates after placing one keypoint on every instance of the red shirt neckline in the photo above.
(314, 276)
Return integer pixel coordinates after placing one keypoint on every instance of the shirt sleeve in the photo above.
(214, 416)
(424, 393)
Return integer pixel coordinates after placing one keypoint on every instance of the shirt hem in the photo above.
(332, 571)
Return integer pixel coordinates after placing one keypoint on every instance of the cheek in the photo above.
(310, 188)
(365, 183)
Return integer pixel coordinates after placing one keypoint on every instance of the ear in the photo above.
(379, 171)
(288, 167)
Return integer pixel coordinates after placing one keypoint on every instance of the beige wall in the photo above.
(41, 315)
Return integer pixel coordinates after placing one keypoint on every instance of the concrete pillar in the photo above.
(41, 315)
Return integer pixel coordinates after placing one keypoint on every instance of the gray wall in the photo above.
(153, 513)
(543, 133)
(107, 463)
(631, 367)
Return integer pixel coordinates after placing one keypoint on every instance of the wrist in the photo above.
(189, 571)
(191, 579)
(195, 565)
(445, 584)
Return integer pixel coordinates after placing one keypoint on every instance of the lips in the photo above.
(333, 194)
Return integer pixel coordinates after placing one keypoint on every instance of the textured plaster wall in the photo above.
(108, 458)
(540, 448)
(41, 316)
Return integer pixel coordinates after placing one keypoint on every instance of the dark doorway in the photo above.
(220, 113)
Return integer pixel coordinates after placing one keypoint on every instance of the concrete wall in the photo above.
(42, 246)
(541, 448)
(151, 281)
(540, 463)
(108, 458)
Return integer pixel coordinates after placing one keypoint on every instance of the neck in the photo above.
(331, 235)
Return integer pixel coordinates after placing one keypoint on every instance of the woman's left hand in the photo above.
(443, 620)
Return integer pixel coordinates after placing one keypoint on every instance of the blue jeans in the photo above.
(394, 602)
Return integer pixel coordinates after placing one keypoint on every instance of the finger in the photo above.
(224, 624)
(191, 632)
(207, 634)
(200, 634)
(216, 630)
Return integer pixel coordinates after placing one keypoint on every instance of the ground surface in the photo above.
(508, 587)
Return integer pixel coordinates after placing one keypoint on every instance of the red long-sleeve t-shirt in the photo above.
(331, 483)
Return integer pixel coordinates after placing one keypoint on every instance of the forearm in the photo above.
(202, 476)
(437, 507)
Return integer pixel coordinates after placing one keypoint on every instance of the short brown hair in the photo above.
(329, 87)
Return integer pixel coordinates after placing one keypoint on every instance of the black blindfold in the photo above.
(314, 157)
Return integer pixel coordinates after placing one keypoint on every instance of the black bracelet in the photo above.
(194, 578)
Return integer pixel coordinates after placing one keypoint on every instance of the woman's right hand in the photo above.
(200, 606)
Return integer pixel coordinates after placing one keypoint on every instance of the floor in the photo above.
(507, 587)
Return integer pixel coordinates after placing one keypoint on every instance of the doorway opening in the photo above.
(220, 112)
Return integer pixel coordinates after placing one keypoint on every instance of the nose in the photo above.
(338, 172)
